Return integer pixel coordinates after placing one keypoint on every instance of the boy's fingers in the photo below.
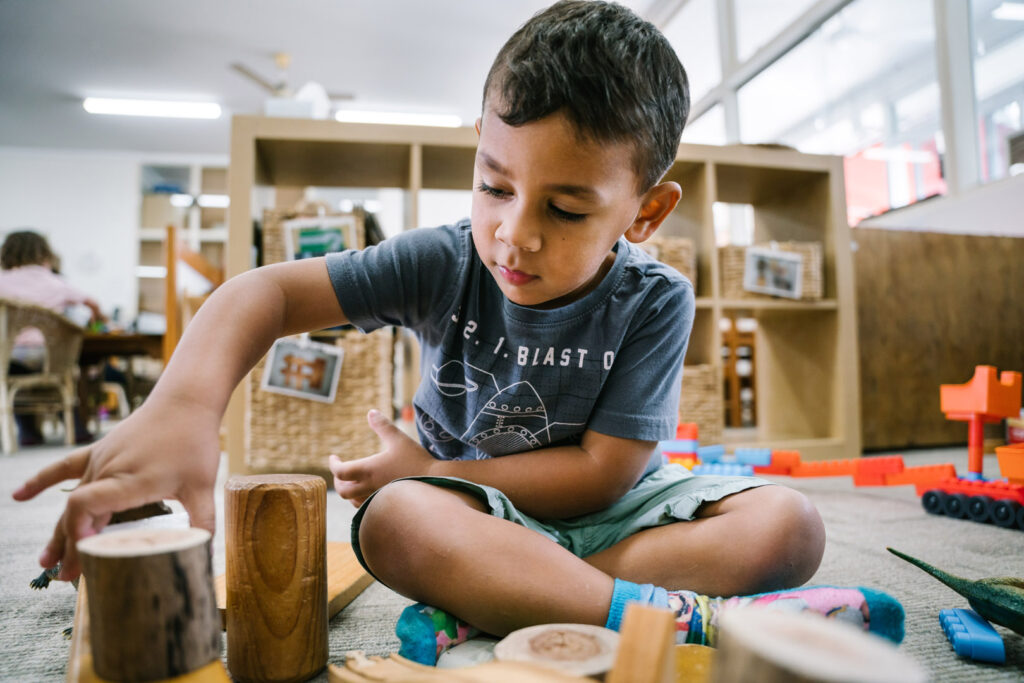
(345, 470)
(202, 512)
(382, 425)
(70, 467)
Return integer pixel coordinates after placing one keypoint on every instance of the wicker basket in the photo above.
(702, 402)
(733, 260)
(273, 231)
(678, 252)
(289, 434)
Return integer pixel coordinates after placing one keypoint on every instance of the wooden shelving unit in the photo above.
(807, 362)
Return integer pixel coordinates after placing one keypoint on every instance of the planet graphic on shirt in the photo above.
(509, 422)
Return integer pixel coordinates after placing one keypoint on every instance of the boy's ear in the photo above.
(655, 207)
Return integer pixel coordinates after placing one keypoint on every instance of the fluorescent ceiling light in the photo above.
(214, 201)
(182, 201)
(1009, 11)
(398, 118)
(151, 271)
(177, 110)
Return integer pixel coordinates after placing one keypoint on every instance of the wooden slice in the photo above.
(773, 646)
(578, 649)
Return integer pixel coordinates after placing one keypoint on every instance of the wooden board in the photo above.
(80, 655)
(931, 307)
(346, 579)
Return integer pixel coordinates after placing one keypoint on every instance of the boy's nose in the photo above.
(519, 232)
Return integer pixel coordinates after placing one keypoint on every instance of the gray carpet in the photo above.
(860, 522)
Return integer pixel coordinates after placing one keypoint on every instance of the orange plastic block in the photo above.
(825, 468)
(686, 430)
(1011, 462)
(924, 475)
(872, 471)
(688, 463)
(983, 395)
(783, 462)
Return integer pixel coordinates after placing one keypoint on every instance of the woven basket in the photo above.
(733, 260)
(678, 252)
(702, 402)
(288, 434)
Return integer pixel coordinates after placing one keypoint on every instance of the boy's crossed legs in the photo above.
(444, 547)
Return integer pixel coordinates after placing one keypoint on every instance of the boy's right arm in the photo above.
(168, 448)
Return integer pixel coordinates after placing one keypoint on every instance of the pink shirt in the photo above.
(41, 286)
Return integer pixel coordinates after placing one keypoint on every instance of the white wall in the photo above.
(87, 206)
(994, 209)
(86, 203)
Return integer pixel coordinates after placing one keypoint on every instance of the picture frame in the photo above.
(773, 272)
(313, 236)
(302, 368)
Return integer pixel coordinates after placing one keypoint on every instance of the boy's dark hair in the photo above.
(25, 248)
(614, 75)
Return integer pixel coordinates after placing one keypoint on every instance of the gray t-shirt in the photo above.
(499, 378)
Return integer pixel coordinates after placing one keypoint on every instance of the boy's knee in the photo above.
(793, 540)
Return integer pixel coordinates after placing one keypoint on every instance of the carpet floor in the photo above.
(860, 523)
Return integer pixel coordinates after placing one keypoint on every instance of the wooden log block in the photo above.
(346, 579)
(152, 609)
(579, 649)
(773, 646)
(647, 647)
(276, 576)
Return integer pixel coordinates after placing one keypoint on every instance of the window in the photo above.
(693, 32)
(998, 37)
(864, 86)
(758, 21)
(709, 129)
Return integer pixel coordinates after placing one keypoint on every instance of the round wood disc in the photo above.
(142, 541)
(579, 649)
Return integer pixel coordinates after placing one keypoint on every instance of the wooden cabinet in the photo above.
(807, 374)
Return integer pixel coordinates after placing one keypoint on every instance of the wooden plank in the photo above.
(931, 306)
(80, 655)
(346, 579)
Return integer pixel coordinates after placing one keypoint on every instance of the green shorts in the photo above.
(667, 495)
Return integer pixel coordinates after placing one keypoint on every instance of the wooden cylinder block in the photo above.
(774, 646)
(276, 576)
(152, 610)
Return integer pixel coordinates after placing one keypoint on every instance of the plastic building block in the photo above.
(924, 475)
(1011, 462)
(825, 468)
(782, 463)
(971, 636)
(688, 463)
(984, 399)
(724, 469)
(679, 446)
(871, 471)
(711, 453)
(686, 430)
(754, 456)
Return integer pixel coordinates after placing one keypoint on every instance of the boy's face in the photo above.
(548, 208)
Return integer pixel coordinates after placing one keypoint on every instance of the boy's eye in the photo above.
(493, 191)
(567, 216)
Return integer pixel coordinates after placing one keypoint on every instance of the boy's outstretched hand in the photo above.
(146, 458)
(356, 480)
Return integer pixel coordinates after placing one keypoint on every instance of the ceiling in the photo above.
(396, 55)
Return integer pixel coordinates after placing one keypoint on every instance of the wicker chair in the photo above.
(48, 391)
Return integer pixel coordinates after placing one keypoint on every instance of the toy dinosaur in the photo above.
(999, 599)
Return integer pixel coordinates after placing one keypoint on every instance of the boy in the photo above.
(552, 356)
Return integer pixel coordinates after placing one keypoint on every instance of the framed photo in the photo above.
(769, 271)
(318, 235)
(303, 369)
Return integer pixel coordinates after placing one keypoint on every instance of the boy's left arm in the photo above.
(548, 483)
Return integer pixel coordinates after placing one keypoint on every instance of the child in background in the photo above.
(29, 275)
(552, 350)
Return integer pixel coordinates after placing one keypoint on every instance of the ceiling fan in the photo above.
(281, 87)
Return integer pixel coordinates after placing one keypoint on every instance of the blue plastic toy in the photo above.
(972, 636)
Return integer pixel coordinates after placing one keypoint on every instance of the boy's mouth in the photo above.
(515, 277)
